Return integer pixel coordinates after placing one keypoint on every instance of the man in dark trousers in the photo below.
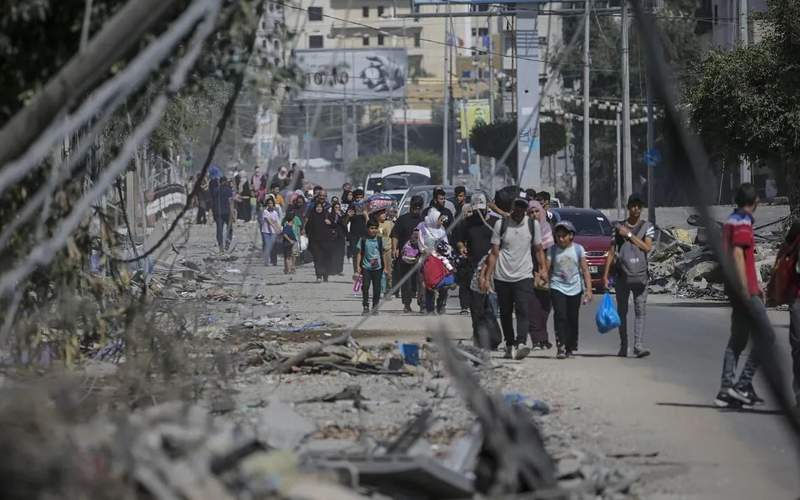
(401, 233)
(478, 238)
(514, 241)
(739, 240)
(357, 219)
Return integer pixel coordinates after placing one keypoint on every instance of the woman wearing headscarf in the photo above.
(337, 218)
(321, 234)
(431, 233)
(243, 207)
(539, 304)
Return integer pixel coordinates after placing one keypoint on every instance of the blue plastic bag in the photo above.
(607, 317)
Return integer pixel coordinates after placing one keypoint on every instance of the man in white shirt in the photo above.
(514, 241)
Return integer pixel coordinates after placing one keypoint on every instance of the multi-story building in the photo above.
(719, 22)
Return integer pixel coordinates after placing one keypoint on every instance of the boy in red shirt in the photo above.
(739, 240)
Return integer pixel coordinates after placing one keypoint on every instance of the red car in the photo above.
(594, 233)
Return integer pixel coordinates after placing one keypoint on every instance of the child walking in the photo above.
(569, 280)
(369, 265)
(290, 245)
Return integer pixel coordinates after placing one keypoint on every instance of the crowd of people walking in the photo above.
(511, 260)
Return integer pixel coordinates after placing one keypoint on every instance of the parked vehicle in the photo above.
(396, 179)
(414, 174)
(594, 233)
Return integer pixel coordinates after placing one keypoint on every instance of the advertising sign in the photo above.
(352, 74)
(475, 2)
(473, 112)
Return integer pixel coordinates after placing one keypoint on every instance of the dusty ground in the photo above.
(609, 409)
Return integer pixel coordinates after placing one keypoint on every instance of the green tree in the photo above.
(365, 165)
(745, 102)
(492, 139)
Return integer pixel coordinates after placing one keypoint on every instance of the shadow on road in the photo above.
(724, 410)
(693, 305)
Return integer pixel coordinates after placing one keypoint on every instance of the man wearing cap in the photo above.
(511, 265)
(633, 240)
(440, 203)
(401, 233)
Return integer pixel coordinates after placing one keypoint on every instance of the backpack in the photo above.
(631, 262)
(380, 249)
(504, 228)
(782, 286)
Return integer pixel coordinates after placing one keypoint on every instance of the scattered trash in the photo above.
(410, 353)
(535, 405)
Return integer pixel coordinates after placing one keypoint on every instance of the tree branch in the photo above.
(81, 73)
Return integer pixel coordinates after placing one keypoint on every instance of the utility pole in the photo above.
(586, 127)
(445, 120)
(650, 157)
(492, 160)
(745, 175)
(619, 163)
(626, 105)
(306, 139)
(390, 117)
(528, 99)
(405, 130)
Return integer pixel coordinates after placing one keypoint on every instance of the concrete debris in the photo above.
(691, 271)
(279, 426)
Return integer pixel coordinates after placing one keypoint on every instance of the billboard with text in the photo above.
(352, 74)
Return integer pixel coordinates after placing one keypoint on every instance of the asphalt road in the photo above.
(667, 400)
(659, 408)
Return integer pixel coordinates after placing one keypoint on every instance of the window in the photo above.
(380, 11)
(263, 44)
(483, 31)
(417, 39)
(365, 41)
(315, 41)
(380, 39)
(364, 11)
(315, 13)
(474, 32)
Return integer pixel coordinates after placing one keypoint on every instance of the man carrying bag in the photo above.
(633, 240)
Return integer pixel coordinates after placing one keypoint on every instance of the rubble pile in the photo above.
(277, 449)
(688, 270)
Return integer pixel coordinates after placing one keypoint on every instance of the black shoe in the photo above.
(365, 312)
(374, 310)
(407, 309)
(562, 353)
(640, 353)
(623, 351)
(724, 400)
(508, 353)
(440, 310)
(325, 279)
(743, 394)
(757, 400)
